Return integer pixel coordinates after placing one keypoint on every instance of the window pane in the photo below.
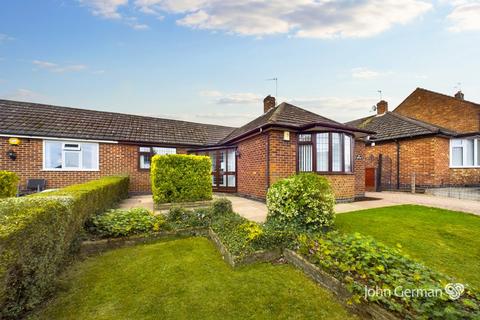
(469, 152)
(336, 152)
(144, 149)
(89, 156)
(223, 163)
(478, 152)
(231, 180)
(322, 151)
(305, 137)
(348, 153)
(164, 151)
(213, 157)
(53, 155)
(305, 158)
(72, 159)
(144, 161)
(457, 156)
(223, 180)
(231, 160)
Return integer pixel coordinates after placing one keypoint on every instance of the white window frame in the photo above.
(150, 152)
(79, 150)
(476, 146)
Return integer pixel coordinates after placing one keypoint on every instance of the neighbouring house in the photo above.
(68, 145)
(430, 140)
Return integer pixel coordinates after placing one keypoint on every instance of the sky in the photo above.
(210, 60)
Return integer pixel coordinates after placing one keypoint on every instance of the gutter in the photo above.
(55, 138)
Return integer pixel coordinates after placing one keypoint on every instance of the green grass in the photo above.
(185, 279)
(447, 241)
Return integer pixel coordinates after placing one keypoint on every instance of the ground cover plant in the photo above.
(8, 184)
(445, 240)
(361, 262)
(125, 222)
(181, 178)
(185, 279)
(40, 232)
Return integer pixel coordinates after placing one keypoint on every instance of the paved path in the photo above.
(257, 211)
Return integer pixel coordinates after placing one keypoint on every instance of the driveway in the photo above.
(257, 210)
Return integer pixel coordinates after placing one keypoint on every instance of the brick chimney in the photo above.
(268, 103)
(382, 107)
(459, 95)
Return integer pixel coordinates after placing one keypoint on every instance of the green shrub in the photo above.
(8, 184)
(304, 202)
(222, 206)
(361, 262)
(181, 178)
(181, 218)
(38, 233)
(121, 223)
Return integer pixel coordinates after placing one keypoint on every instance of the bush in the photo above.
(303, 202)
(222, 206)
(180, 218)
(8, 184)
(121, 223)
(38, 233)
(181, 178)
(361, 262)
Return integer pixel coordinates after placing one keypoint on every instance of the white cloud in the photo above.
(465, 16)
(105, 8)
(302, 18)
(365, 73)
(54, 67)
(26, 95)
(4, 38)
(232, 98)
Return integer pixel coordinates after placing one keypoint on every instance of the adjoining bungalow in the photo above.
(430, 140)
(67, 145)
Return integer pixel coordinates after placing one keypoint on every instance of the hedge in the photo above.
(8, 184)
(37, 235)
(181, 178)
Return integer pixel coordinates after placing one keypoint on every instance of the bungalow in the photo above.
(66, 145)
(430, 140)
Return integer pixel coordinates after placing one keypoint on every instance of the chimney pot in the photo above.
(268, 103)
(382, 107)
(459, 95)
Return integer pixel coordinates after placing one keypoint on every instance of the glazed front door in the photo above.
(224, 170)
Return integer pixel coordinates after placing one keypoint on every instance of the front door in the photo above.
(224, 169)
(370, 179)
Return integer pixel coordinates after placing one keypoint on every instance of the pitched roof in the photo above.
(33, 119)
(286, 115)
(390, 126)
(445, 97)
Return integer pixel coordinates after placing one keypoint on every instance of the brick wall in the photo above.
(251, 168)
(428, 158)
(441, 110)
(252, 177)
(114, 159)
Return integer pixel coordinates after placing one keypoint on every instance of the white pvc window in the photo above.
(336, 152)
(146, 154)
(465, 153)
(72, 156)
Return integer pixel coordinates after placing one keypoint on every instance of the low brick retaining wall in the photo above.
(366, 310)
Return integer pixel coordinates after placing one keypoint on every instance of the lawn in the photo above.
(447, 241)
(185, 279)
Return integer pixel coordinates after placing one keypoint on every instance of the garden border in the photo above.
(366, 310)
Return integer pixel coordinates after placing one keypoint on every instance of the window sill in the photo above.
(71, 170)
(469, 167)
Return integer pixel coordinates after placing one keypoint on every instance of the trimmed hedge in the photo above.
(8, 184)
(181, 178)
(304, 202)
(38, 233)
(360, 262)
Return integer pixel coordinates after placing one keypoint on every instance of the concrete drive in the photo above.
(257, 211)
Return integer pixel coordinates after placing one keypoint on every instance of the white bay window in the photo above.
(70, 155)
(465, 153)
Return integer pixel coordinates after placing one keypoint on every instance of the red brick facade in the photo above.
(253, 177)
(441, 110)
(114, 159)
